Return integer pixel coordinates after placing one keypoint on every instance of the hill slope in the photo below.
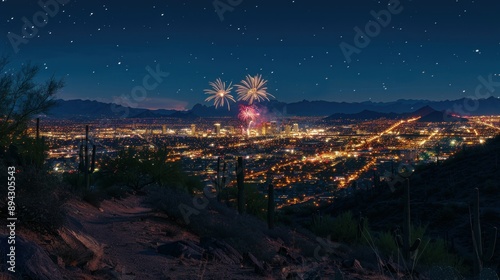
(133, 238)
(440, 198)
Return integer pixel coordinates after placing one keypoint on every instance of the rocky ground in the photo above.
(124, 239)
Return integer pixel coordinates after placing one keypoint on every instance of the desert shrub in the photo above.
(343, 228)
(430, 252)
(255, 202)
(39, 200)
(97, 194)
(208, 218)
(435, 252)
(73, 180)
(386, 244)
(169, 201)
(191, 184)
(137, 169)
(130, 172)
(322, 225)
(130, 167)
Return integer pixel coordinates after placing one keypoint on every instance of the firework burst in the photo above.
(253, 89)
(220, 93)
(247, 113)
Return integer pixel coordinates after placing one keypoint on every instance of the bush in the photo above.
(322, 226)
(209, 218)
(39, 200)
(435, 252)
(256, 203)
(430, 252)
(386, 244)
(343, 228)
(77, 187)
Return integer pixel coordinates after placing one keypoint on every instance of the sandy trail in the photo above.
(131, 232)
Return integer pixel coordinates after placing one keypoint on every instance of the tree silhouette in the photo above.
(21, 98)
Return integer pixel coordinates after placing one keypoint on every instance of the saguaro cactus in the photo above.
(479, 255)
(220, 181)
(223, 181)
(39, 146)
(240, 178)
(87, 165)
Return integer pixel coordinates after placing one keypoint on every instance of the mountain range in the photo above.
(426, 114)
(86, 109)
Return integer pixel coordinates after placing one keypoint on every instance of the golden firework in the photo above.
(220, 93)
(253, 89)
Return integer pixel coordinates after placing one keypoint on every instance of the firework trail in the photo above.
(248, 128)
(220, 93)
(253, 89)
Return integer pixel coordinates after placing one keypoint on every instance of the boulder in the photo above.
(90, 251)
(32, 262)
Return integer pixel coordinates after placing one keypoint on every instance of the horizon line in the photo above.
(275, 100)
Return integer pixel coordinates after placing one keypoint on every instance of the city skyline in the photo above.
(165, 54)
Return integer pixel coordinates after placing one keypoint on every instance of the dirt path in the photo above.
(130, 234)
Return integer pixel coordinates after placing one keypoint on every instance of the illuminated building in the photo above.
(217, 129)
(193, 129)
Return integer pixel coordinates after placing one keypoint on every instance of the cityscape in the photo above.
(249, 139)
(308, 159)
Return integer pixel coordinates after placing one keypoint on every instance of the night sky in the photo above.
(429, 50)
